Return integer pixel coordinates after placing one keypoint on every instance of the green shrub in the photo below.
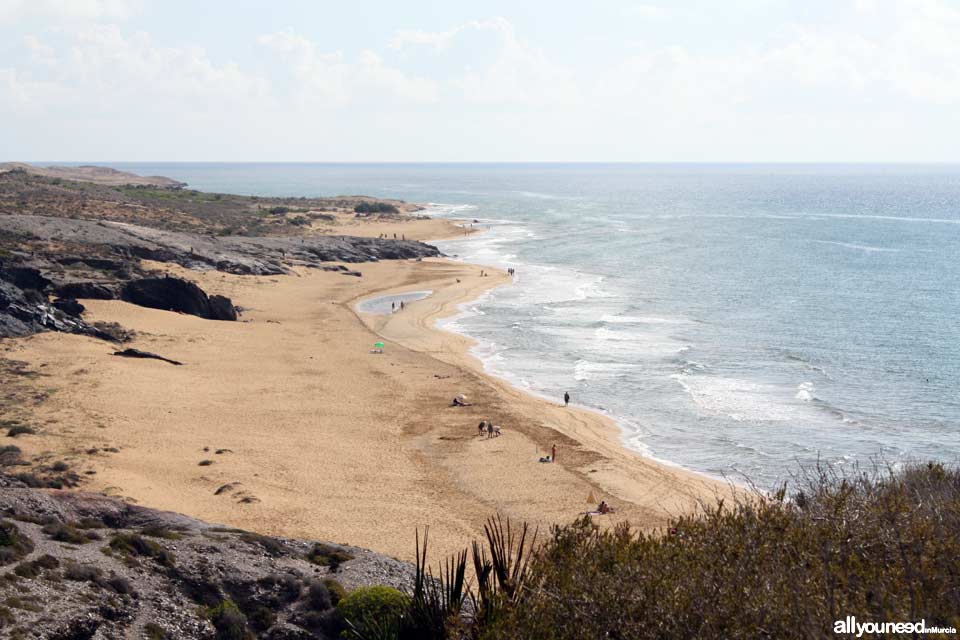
(271, 545)
(326, 555)
(229, 622)
(377, 607)
(34, 568)
(131, 544)
(286, 586)
(319, 597)
(13, 544)
(155, 531)
(89, 523)
(154, 631)
(82, 573)
(68, 533)
(375, 207)
(262, 618)
(10, 455)
(336, 591)
(878, 546)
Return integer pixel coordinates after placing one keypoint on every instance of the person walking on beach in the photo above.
(566, 399)
(553, 453)
(393, 307)
(401, 305)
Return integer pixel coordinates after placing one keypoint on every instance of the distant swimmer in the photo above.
(566, 398)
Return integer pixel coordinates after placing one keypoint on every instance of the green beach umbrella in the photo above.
(378, 345)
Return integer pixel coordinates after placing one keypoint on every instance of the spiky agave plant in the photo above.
(502, 576)
(437, 601)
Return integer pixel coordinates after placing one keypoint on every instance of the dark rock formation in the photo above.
(136, 353)
(102, 261)
(174, 294)
(89, 290)
(26, 311)
(69, 306)
(221, 308)
(233, 254)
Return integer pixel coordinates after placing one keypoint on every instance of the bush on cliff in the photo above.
(372, 610)
(367, 208)
(13, 544)
(881, 546)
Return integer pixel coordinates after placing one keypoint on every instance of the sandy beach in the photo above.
(285, 423)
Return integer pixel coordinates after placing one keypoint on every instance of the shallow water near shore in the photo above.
(735, 319)
(385, 305)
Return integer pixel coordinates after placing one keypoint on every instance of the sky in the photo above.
(538, 80)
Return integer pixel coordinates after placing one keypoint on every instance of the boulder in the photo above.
(89, 290)
(174, 294)
(221, 308)
(26, 278)
(69, 306)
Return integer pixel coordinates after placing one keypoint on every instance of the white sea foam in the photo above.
(741, 400)
(860, 247)
(615, 319)
(588, 370)
(805, 392)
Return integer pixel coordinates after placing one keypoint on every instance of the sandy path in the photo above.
(325, 439)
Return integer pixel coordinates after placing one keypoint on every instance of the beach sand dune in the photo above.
(308, 434)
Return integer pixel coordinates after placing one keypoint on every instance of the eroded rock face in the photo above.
(69, 306)
(174, 294)
(89, 290)
(26, 311)
(162, 571)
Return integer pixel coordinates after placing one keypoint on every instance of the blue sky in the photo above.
(609, 80)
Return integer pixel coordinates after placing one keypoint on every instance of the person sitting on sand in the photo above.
(460, 401)
(604, 508)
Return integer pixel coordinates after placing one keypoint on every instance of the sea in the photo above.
(742, 320)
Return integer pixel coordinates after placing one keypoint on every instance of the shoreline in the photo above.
(313, 436)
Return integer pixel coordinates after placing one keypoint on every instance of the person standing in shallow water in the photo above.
(566, 398)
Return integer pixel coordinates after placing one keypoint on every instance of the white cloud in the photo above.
(39, 52)
(64, 10)
(103, 71)
(512, 71)
(329, 79)
(647, 11)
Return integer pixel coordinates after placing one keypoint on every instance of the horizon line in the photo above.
(514, 162)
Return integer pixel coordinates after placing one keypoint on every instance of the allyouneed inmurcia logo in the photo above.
(850, 625)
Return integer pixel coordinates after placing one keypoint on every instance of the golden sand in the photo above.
(323, 439)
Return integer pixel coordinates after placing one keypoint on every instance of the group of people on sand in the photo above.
(393, 306)
(384, 236)
(491, 430)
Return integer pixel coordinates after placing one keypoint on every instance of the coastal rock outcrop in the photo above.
(173, 294)
(91, 566)
(24, 311)
(243, 255)
(103, 262)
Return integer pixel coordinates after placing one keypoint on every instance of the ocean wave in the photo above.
(740, 400)
(615, 319)
(445, 209)
(860, 247)
(589, 370)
